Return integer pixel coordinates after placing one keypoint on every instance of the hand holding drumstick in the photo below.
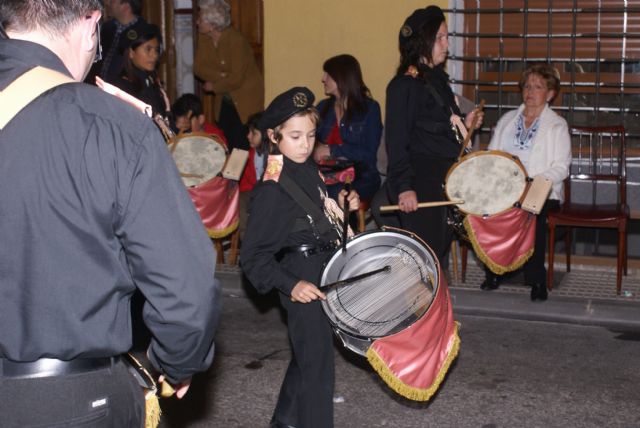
(403, 208)
(473, 121)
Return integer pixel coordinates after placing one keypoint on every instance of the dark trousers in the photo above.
(534, 270)
(430, 224)
(306, 395)
(110, 397)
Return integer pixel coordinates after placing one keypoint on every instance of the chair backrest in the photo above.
(599, 156)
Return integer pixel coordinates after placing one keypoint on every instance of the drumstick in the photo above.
(385, 208)
(353, 279)
(187, 175)
(472, 129)
(345, 224)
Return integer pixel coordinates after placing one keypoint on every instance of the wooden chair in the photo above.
(600, 157)
(234, 238)
(459, 245)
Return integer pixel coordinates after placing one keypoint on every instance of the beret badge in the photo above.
(299, 100)
(406, 31)
(132, 34)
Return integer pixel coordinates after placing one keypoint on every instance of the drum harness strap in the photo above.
(319, 222)
(440, 102)
(26, 88)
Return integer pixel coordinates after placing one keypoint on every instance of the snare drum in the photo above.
(198, 156)
(400, 317)
(489, 182)
(385, 303)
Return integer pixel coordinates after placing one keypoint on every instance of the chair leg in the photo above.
(625, 256)
(235, 244)
(464, 250)
(620, 262)
(552, 240)
(219, 250)
(567, 247)
(454, 259)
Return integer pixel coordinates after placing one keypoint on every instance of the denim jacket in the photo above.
(361, 138)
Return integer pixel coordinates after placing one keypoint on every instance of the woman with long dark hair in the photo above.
(141, 46)
(422, 143)
(350, 124)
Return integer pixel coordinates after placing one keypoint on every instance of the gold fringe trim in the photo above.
(152, 410)
(410, 392)
(217, 234)
(484, 258)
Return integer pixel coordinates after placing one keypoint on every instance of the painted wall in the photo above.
(299, 35)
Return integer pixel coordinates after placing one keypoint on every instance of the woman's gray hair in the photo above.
(217, 13)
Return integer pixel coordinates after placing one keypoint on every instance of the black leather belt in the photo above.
(309, 250)
(49, 367)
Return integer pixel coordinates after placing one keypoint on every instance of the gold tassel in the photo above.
(152, 409)
(410, 392)
(151, 402)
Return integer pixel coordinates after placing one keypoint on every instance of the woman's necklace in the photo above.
(524, 135)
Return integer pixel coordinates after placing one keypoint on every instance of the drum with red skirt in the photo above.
(200, 158)
(388, 300)
(492, 185)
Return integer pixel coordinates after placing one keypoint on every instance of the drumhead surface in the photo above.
(199, 158)
(385, 303)
(488, 182)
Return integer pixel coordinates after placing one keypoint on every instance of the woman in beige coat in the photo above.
(225, 62)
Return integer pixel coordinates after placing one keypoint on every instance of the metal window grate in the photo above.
(595, 44)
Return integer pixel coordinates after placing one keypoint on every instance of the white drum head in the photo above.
(489, 182)
(199, 157)
(382, 304)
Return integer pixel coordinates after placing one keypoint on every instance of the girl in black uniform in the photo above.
(421, 142)
(293, 227)
(141, 47)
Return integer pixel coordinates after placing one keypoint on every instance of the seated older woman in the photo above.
(540, 139)
(224, 61)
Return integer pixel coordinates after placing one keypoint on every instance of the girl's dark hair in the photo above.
(187, 103)
(345, 71)
(252, 125)
(129, 72)
(420, 45)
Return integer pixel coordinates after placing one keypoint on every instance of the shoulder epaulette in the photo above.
(274, 167)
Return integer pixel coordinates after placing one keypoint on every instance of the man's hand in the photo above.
(167, 390)
(408, 201)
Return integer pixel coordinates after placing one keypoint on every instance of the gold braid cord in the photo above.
(216, 234)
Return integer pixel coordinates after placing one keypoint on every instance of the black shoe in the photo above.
(277, 424)
(490, 283)
(539, 292)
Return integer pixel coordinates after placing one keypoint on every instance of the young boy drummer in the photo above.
(293, 227)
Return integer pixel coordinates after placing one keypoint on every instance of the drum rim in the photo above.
(485, 152)
(173, 143)
(384, 229)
